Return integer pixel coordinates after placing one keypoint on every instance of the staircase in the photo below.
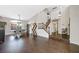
(45, 26)
(34, 30)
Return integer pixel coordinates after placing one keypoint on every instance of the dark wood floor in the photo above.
(39, 45)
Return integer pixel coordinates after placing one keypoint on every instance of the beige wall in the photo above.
(74, 24)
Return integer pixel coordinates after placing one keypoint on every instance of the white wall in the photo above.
(74, 24)
(65, 18)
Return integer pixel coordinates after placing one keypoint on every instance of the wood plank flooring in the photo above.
(38, 45)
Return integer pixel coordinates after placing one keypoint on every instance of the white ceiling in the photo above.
(25, 11)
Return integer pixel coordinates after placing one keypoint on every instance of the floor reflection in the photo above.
(28, 44)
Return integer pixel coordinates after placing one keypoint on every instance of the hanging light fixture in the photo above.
(19, 20)
(47, 11)
(59, 13)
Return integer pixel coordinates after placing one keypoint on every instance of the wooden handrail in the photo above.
(34, 29)
(46, 25)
